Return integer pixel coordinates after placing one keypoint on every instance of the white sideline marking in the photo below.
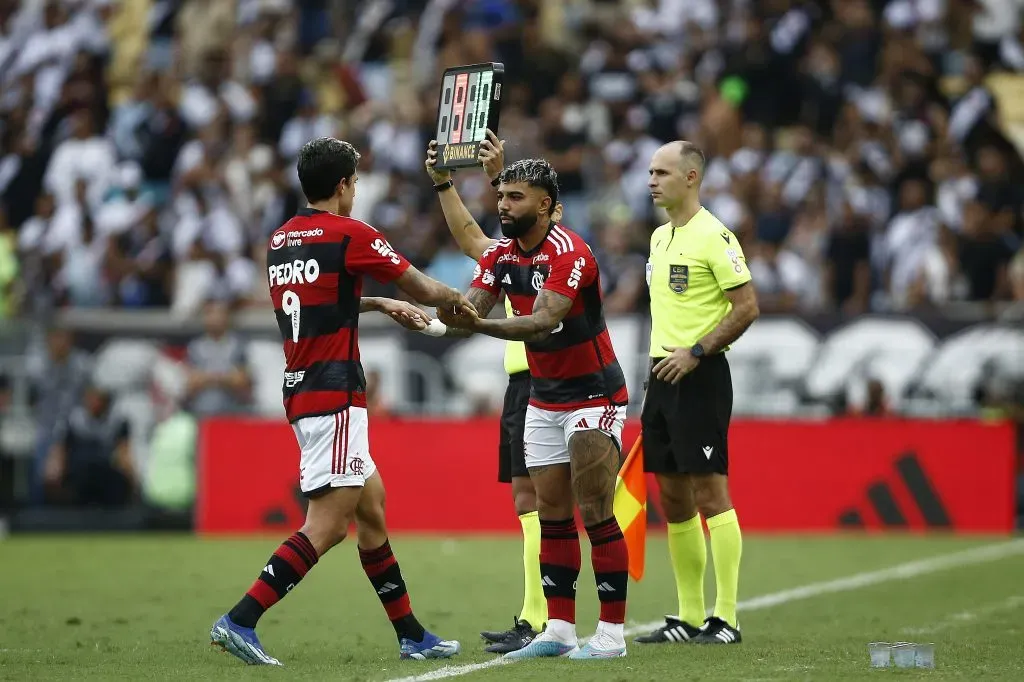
(911, 569)
(954, 620)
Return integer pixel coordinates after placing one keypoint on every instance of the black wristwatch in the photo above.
(444, 185)
(496, 181)
(697, 350)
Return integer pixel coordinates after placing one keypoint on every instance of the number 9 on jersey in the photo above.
(291, 307)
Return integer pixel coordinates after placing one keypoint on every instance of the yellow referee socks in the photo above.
(689, 555)
(726, 548)
(535, 607)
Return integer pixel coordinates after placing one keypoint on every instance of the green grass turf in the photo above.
(134, 608)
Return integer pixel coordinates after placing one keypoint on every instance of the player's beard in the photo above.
(519, 226)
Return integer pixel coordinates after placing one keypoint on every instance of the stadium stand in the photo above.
(865, 152)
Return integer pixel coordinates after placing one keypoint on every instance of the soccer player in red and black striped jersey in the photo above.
(578, 398)
(315, 265)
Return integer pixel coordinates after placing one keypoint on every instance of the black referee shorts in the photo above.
(511, 455)
(686, 425)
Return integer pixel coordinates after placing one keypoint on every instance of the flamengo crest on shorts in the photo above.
(335, 450)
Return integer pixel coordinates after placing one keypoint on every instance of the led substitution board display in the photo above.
(470, 104)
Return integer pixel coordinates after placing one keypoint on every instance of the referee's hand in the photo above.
(677, 365)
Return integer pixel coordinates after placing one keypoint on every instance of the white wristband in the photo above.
(435, 328)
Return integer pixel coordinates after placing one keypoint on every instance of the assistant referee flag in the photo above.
(630, 507)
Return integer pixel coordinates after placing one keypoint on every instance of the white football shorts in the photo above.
(335, 451)
(547, 433)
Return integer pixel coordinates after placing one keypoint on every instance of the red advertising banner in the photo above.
(784, 476)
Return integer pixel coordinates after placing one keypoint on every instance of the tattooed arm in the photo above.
(548, 311)
(482, 300)
(470, 238)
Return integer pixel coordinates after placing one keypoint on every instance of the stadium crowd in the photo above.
(148, 147)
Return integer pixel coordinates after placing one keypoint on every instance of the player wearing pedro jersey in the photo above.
(511, 458)
(702, 299)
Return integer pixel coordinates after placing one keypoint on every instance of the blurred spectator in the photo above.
(859, 150)
(183, 123)
(85, 156)
(8, 267)
(449, 265)
(90, 463)
(994, 22)
(1016, 275)
(848, 263)
(622, 268)
(218, 376)
(910, 239)
(876, 402)
(60, 374)
(985, 253)
(139, 263)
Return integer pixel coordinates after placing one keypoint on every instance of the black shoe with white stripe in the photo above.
(717, 631)
(674, 630)
(521, 634)
(518, 638)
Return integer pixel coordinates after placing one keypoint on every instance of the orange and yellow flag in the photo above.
(630, 507)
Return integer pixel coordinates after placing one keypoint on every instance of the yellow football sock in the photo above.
(726, 548)
(689, 555)
(535, 607)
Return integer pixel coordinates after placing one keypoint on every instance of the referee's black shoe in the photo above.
(674, 630)
(717, 631)
(510, 640)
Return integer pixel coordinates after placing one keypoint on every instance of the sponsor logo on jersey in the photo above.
(541, 258)
(577, 273)
(295, 237)
(305, 233)
(385, 249)
(507, 258)
(277, 241)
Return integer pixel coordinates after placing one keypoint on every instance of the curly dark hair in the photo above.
(535, 173)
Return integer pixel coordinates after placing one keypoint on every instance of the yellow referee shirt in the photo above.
(689, 269)
(515, 351)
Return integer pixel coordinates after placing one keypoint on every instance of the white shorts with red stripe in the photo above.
(547, 433)
(335, 451)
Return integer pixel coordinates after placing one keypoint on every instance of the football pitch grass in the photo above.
(140, 608)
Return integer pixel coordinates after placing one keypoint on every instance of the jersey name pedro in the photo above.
(315, 267)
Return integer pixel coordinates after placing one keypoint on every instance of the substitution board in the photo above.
(470, 103)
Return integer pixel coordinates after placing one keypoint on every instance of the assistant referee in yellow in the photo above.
(702, 299)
